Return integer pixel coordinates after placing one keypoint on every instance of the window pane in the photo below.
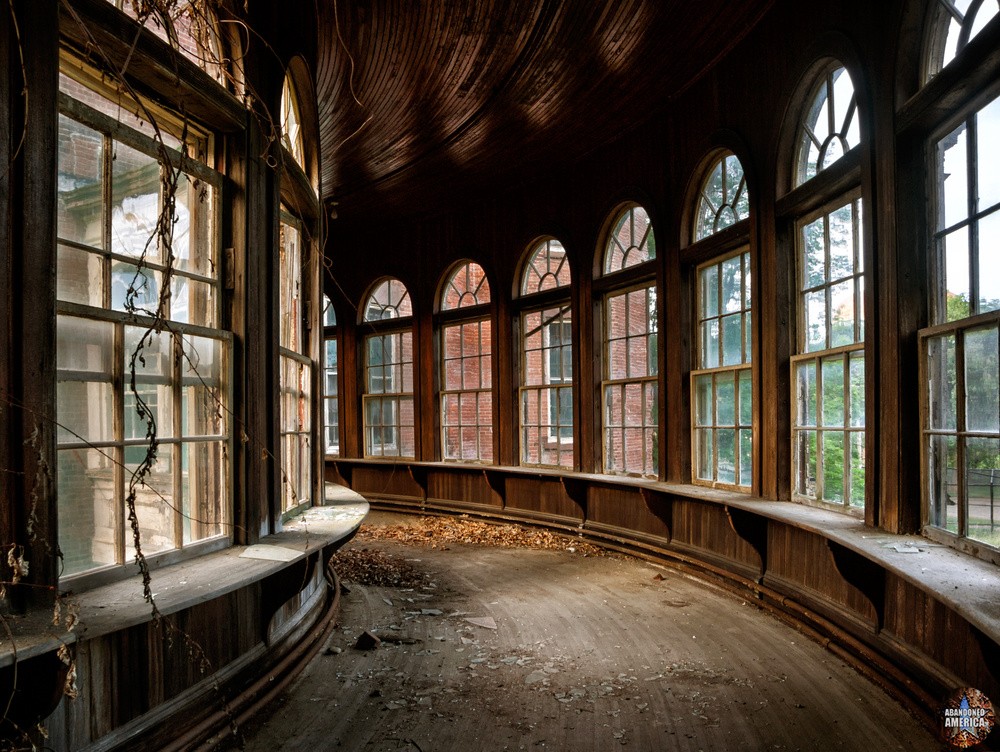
(982, 459)
(953, 178)
(942, 463)
(942, 381)
(833, 391)
(135, 203)
(727, 455)
(805, 379)
(746, 457)
(988, 154)
(856, 477)
(192, 302)
(732, 340)
(746, 397)
(80, 196)
(989, 262)
(814, 254)
(841, 228)
(202, 410)
(150, 405)
(203, 489)
(842, 314)
(815, 321)
(85, 405)
(710, 343)
(154, 499)
(805, 464)
(704, 400)
(982, 380)
(833, 466)
(193, 248)
(708, 279)
(136, 290)
(725, 399)
(704, 455)
(79, 277)
(956, 260)
(857, 389)
(89, 499)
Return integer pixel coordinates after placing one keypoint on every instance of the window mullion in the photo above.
(971, 152)
(961, 425)
(177, 447)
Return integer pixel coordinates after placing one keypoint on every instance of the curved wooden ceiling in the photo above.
(421, 101)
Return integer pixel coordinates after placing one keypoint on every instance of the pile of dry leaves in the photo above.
(438, 532)
(377, 568)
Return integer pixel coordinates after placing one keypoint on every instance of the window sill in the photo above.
(118, 606)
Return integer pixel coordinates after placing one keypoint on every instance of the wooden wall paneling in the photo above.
(100, 692)
(351, 387)
(899, 467)
(801, 562)
(675, 324)
(248, 471)
(460, 486)
(773, 331)
(587, 363)
(705, 527)
(752, 529)
(544, 498)
(34, 335)
(888, 364)
(426, 413)
(8, 519)
(506, 410)
(862, 574)
(384, 481)
(628, 512)
(497, 481)
(252, 234)
(69, 726)
(933, 641)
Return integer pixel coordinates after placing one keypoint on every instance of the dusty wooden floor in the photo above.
(588, 653)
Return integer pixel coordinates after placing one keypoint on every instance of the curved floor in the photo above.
(588, 653)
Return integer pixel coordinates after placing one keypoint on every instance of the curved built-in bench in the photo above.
(920, 618)
(238, 623)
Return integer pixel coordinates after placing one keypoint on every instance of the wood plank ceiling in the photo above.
(424, 101)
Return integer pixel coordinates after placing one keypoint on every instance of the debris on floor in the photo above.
(376, 568)
(437, 532)
(367, 641)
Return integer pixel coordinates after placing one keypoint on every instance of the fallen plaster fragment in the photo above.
(487, 622)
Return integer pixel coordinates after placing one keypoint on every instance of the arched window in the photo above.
(190, 27)
(291, 131)
(960, 349)
(953, 24)
(331, 379)
(828, 362)
(388, 408)
(466, 366)
(723, 200)
(722, 380)
(829, 128)
(546, 365)
(630, 354)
